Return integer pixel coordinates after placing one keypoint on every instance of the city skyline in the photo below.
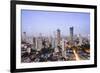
(47, 22)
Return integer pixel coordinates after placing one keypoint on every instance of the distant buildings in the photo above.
(34, 42)
(63, 43)
(80, 40)
(24, 37)
(53, 43)
(71, 33)
(58, 37)
(56, 47)
(39, 42)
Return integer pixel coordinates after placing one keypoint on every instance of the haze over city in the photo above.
(47, 22)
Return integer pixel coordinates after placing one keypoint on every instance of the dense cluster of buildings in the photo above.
(63, 42)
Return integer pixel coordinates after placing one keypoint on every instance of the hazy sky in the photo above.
(47, 22)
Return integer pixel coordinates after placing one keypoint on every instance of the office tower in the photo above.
(58, 37)
(71, 33)
(34, 42)
(53, 42)
(71, 36)
(38, 44)
(80, 40)
(24, 37)
(63, 48)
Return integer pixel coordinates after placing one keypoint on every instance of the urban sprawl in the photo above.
(58, 48)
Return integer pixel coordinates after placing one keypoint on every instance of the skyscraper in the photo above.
(38, 44)
(80, 39)
(24, 37)
(71, 33)
(63, 48)
(34, 42)
(58, 37)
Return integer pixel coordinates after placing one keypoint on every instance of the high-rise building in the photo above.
(34, 42)
(24, 37)
(71, 33)
(38, 44)
(80, 39)
(58, 37)
(53, 42)
(63, 48)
